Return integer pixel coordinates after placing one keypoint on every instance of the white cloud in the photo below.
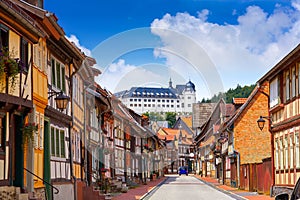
(241, 52)
(75, 40)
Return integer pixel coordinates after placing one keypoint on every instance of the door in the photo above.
(18, 152)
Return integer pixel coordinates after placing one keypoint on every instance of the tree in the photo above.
(154, 116)
(171, 118)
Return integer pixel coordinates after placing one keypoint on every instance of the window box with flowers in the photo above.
(9, 68)
(28, 132)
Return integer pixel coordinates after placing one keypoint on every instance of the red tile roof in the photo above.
(239, 100)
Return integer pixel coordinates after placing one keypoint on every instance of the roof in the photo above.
(188, 121)
(239, 111)
(147, 92)
(239, 100)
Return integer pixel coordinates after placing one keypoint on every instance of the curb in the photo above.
(154, 188)
(222, 190)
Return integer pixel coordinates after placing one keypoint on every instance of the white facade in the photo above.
(142, 99)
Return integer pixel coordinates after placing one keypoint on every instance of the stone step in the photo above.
(23, 196)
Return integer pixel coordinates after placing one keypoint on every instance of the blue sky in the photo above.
(238, 41)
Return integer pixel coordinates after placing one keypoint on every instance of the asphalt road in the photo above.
(185, 188)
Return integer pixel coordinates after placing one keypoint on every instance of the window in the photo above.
(135, 100)
(39, 134)
(131, 105)
(167, 101)
(130, 99)
(149, 100)
(286, 156)
(153, 100)
(58, 142)
(3, 36)
(158, 100)
(297, 154)
(274, 95)
(93, 118)
(293, 82)
(188, 97)
(189, 105)
(281, 153)
(24, 54)
(76, 154)
(77, 90)
(58, 74)
(163, 100)
(287, 85)
(291, 152)
(145, 100)
(276, 155)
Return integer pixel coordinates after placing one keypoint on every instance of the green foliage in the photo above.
(153, 116)
(238, 92)
(171, 118)
(28, 133)
(156, 116)
(9, 67)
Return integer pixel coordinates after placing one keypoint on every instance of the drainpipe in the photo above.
(70, 133)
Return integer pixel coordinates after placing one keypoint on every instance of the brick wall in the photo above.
(252, 143)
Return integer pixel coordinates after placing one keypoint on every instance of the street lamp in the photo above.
(261, 122)
(60, 99)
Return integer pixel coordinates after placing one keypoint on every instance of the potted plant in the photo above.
(28, 132)
(9, 68)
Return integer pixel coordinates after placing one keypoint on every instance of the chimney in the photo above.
(37, 3)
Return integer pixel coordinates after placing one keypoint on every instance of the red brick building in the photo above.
(246, 150)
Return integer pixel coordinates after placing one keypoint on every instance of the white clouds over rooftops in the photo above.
(75, 40)
(241, 52)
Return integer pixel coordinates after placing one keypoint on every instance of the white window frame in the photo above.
(54, 80)
(274, 95)
(59, 154)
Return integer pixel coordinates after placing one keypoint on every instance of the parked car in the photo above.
(295, 194)
(183, 170)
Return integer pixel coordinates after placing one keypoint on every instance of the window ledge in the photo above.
(276, 108)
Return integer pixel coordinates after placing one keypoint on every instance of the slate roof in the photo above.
(148, 92)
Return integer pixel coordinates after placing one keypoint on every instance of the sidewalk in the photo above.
(137, 193)
(235, 191)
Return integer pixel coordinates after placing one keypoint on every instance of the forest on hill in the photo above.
(238, 92)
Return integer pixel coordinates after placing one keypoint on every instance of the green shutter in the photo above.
(58, 75)
(57, 143)
(52, 141)
(63, 79)
(62, 143)
(53, 71)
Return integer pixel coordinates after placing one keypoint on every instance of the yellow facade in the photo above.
(40, 101)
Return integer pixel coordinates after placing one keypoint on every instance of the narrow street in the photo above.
(186, 187)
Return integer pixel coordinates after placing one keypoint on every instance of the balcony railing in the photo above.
(53, 187)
